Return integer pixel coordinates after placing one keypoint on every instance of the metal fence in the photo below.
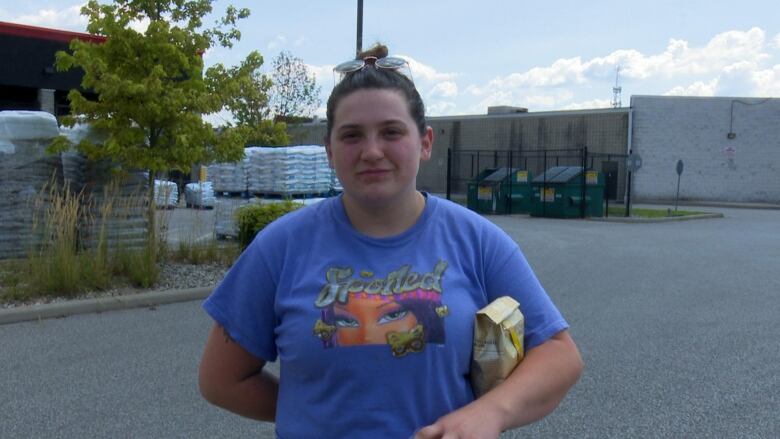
(464, 167)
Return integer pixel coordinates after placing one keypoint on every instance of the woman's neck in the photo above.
(386, 219)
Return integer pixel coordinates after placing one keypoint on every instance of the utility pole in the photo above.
(359, 27)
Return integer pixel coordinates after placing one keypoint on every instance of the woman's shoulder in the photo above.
(307, 213)
(453, 217)
(452, 211)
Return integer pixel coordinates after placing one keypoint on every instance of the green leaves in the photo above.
(147, 89)
(255, 217)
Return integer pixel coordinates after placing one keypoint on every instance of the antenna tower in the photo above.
(616, 90)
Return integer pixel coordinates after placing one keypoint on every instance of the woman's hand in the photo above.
(474, 421)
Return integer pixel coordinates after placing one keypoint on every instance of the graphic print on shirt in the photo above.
(402, 309)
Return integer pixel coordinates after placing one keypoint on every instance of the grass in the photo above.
(208, 252)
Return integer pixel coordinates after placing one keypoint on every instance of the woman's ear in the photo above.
(330, 154)
(427, 144)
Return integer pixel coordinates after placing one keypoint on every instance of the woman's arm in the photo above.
(232, 378)
(532, 391)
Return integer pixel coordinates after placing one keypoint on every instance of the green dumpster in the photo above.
(479, 196)
(515, 192)
(499, 190)
(558, 193)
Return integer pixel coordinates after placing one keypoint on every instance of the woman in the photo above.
(368, 299)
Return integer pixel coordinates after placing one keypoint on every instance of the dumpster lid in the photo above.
(497, 176)
(559, 174)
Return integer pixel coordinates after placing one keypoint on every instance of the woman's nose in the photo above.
(372, 149)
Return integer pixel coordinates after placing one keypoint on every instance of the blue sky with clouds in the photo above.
(468, 55)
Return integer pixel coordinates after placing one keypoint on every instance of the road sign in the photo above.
(633, 162)
(679, 167)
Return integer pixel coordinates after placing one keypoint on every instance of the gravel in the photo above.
(173, 275)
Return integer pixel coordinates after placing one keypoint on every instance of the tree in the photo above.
(250, 108)
(295, 92)
(151, 87)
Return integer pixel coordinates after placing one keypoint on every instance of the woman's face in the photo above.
(368, 320)
(375, 146)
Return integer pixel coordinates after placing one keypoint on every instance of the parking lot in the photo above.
(677, 323)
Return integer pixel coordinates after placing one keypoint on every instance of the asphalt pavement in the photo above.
(677, 323)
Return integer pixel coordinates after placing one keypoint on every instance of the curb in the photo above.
(623, 219)
(726, 204)
(101, 304)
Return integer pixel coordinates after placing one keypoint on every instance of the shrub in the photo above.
(254, 217)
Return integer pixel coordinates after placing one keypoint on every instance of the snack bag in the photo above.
(498, 343)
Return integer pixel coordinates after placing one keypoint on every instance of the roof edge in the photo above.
(24, 30)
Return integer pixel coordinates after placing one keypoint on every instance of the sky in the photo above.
(467, 55)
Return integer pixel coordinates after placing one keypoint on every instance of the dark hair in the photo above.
(380, 79)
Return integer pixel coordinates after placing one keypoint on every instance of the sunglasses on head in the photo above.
(388, 63)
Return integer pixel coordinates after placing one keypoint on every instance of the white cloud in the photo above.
(562, 71)
(67, 18)
(767, 82)
(723, 51)
(594, 103)
(324, 75)
(534, 99)
(440, 108)
(425, 72)
(679, 58)
(445, 89)
(698, 88)
(726, 64)
(776, 41)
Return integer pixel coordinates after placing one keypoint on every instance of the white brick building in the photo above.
(730, 148)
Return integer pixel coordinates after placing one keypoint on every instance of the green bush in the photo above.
(254, 217)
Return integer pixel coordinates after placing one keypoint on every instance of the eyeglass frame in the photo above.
(386, 63)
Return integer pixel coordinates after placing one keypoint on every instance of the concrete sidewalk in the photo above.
(100, 304)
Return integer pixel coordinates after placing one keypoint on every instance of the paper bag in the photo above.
(498, 343)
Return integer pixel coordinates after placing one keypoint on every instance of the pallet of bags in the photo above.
(228, 177)
(28, 178)
(199, 195)
(73, 162)
(292, 170)
(115, 201)
(166, 194)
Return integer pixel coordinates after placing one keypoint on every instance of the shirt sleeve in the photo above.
(244, 302)
(507, 273)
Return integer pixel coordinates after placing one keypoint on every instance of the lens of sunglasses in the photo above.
(390, 63)
(349, 66)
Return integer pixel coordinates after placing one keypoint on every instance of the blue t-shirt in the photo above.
(373, 336)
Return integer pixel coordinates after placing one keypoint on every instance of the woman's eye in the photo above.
(346, 322)
(393, 316)
(393, 133)
(350, 136)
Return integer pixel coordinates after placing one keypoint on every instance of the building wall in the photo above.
(695, 130)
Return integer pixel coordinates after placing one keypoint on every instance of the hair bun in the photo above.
(378, 51)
